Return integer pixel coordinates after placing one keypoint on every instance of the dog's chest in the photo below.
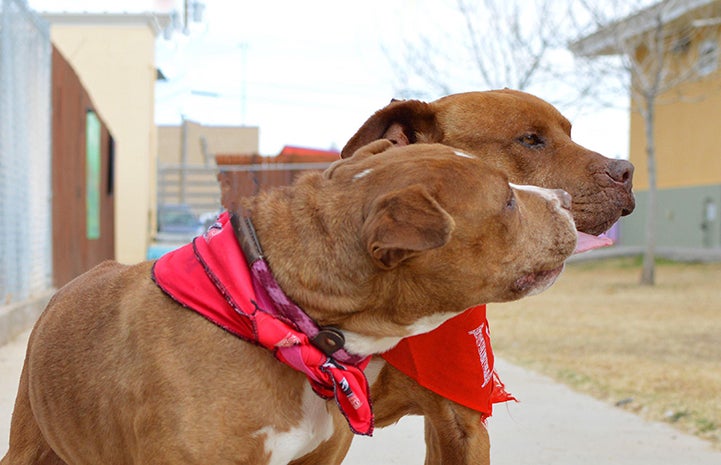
(314, 427)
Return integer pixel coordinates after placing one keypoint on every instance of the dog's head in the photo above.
(519, 134)
(444, 230)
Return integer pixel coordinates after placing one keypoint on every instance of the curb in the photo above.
(18, 317)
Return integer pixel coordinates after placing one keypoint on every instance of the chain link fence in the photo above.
(25, 153)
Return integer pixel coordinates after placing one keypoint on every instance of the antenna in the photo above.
(243, 81)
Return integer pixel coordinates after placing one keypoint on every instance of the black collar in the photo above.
(328, 339)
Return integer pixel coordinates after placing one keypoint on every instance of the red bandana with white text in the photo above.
(455, 361)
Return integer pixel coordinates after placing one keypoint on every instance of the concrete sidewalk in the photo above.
(551, 425)
(12, 355)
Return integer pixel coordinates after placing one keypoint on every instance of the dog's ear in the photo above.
(404, 223)
(374, 148)
(402, 122)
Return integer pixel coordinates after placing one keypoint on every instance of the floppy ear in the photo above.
(402, 122)
(404, 223)
(374, 148)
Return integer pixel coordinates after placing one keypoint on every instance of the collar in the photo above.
(210, 276)
(328, 339)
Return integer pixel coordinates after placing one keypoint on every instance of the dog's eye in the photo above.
(531, 140)
(511, 202)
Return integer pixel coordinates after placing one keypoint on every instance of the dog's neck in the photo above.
(288, 222)
(274, 301)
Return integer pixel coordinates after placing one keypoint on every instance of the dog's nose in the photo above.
(564, 198)
(620, 171)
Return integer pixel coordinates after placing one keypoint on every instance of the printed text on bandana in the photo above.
(478, 334)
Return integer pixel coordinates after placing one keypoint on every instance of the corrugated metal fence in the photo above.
(192, 185)
(25, 148)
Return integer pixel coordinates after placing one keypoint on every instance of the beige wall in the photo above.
(687, 130)
(220, 139)
(115, 62)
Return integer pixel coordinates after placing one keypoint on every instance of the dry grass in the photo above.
(652, 350)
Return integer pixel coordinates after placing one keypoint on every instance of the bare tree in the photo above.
(655, 49)
(520, 44)
(486, 44)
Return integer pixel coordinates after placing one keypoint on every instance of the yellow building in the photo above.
(199, 138)
(687, 115)
(187, 173)
(114, 56)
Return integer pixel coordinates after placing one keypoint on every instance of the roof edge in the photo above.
(155, 21)
(607, 39)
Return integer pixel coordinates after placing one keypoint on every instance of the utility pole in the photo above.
(243, 81)
(183, 157)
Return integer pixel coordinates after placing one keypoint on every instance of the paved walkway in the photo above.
(552, 425)
(12, 355)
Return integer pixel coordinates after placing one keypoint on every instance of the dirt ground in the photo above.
(653, 350)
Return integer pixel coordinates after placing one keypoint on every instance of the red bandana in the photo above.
(455, 361)
(211, 277)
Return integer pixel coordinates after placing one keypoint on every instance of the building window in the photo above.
(707, 57)
(92, 174)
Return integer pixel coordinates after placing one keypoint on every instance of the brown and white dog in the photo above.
(385, 244)
(529, 140)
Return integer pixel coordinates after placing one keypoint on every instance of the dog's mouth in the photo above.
(586, 242)
(536, 282)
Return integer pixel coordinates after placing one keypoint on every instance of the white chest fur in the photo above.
(315, 426)
(362, 344)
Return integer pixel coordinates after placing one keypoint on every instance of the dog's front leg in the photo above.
(455, 435)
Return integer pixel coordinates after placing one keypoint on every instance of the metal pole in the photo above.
(183, 158)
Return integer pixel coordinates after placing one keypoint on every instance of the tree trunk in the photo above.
(648, 273)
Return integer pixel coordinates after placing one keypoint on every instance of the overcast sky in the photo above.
(305, 73)
(309, 73)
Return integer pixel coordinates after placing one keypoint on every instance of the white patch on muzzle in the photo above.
(550, 195)
(547, 194)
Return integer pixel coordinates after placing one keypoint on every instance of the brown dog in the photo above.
(383, 245)
(530, 141)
